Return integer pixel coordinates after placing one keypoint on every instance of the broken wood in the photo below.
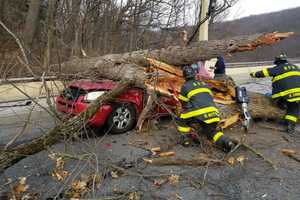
(291, 154)
(167, 154)
(225, 123)
(67, 129)
(143, 116)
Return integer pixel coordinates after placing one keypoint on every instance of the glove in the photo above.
(252, 74)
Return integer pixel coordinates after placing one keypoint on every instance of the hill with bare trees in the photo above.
(286, 20)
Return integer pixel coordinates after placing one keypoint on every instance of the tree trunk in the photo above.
(176, 55)
(263, 107)
(32, 22)
(50, 25)
(2, 11)
(64, 130)
(73, 21)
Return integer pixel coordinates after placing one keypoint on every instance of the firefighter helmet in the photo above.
(280, 59)
(188, 72)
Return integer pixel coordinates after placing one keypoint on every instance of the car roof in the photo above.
(94, 85)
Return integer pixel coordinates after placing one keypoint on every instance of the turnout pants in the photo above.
(292, 110)
(184, 126)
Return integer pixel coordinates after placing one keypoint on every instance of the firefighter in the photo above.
(199, 108)
(285, 88)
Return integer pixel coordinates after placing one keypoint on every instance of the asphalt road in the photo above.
(29, 121)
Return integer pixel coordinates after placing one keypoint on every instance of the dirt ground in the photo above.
(118, 161)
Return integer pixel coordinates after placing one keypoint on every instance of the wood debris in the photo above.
(20, 191)
(173, 179)
(59, 173)
(134, 196)
(80, 187)
(167, 154)
(291, 154)
(231, 120)
(231, 160)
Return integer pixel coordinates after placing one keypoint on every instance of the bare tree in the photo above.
(32, 22)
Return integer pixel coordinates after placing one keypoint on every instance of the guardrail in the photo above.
(27, 79)
(257, 64)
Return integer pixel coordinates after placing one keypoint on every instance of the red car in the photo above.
(120, 116)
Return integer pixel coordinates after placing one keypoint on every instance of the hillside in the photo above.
(286, 20)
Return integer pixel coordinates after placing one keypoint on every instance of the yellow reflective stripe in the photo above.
(183, 98)
(217, 137)
(294, 99)
(183, 129)
(266, 72)
(198, 112)
(199, 90)
(291, 118)
(285, 75)
(286, 92)
(209, 121)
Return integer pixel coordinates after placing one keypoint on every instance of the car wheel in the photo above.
(122, 118)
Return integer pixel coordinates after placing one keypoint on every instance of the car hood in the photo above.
(90, 85)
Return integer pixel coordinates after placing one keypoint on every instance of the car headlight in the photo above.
(91, 96)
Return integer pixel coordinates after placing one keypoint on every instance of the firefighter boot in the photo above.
(185, 141)
(226, 144)
(291, 128)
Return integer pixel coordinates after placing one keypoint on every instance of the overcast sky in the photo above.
(254, 7)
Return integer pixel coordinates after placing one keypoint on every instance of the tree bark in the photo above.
(259, 106)
(50, 25)
(73, 21)
(32, 22)
(176, 55)
(64, 130)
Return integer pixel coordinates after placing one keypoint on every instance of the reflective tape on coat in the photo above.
(198, 112)
(217, 136)
(291, 118)
(286, 92)
(197, 91)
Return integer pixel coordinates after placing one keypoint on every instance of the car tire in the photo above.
(122, 118)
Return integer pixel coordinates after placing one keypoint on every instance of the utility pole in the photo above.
(203, 30)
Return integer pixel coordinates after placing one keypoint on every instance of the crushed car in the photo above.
(120, 115)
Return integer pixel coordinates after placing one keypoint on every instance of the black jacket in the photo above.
(198, 102)
(220, 66)
(285, 82)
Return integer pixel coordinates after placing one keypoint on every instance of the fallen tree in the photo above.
(130, 69)
(113, 66)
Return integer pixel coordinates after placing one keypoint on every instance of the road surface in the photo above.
(13, 120)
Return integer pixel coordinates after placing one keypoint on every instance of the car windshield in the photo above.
(72, 93)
